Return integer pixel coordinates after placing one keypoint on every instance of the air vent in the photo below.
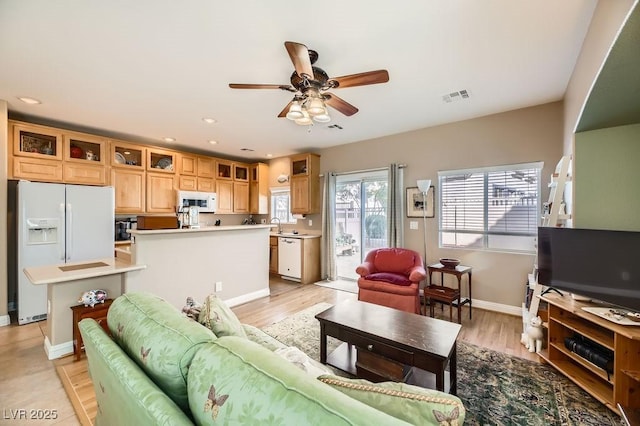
(335, 126)
(455, 96)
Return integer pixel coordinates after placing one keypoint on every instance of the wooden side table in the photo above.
(448, 295)
(80, 312)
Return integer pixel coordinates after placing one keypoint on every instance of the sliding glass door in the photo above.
(361, 218)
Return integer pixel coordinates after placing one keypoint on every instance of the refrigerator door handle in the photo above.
(61, 240)
(69, 231)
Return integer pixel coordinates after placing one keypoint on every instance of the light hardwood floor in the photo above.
(28, 381)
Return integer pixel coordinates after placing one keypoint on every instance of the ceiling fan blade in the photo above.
(261, 86)
(361, 79)
(299, 55)
(284, 112)
(335, 102)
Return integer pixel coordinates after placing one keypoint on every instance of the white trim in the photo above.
(57, 351)
(5, 320)
(247, 297)
(535, 165)
(498, 307)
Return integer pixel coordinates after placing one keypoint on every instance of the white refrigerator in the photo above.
(57, 224)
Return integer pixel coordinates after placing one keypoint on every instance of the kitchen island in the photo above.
(65, 284)
(232, 261)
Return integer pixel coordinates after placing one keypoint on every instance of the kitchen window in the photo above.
(491, 208)
(281, 205)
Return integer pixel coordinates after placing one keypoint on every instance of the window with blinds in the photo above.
(494, 208)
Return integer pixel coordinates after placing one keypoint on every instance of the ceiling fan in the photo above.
(310, 86)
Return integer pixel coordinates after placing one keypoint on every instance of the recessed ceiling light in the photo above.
(269, 155)
(212, 142)
(209, 120)
(169, 139)
(30, 101)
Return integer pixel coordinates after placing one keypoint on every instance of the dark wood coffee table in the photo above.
(426, 346)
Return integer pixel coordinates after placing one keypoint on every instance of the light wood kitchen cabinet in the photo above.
(206, 167)
(240, 197)
(206, 185)
(161, 160)
(224, 170)
(36, 152)
(85, 149)
(161, 193)
(259, 188)
(188, 183)
(128, 155)
(273, 255)
(305, 184)
(240, 172)
(84, 174)
(224, 190)
(188, 165)
(129, 188)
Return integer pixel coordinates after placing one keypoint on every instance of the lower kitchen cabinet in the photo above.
(299, 259)
(273, 255)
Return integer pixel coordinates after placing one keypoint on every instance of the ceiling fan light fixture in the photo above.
(322, 118)
(316, 107)
(305, 120)
(295, 111)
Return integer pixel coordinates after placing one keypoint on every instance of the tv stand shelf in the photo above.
(567, 318)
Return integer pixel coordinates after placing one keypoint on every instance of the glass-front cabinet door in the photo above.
(127, 155)
(37, 141)
(87, 149)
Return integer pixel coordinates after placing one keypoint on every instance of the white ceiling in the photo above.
(148, 69)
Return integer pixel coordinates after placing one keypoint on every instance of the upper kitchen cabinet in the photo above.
(160, 160)
(84, 159)
(259, 188)
(129, 186)
(240, 172)
(37, 152)
(305, 184)
(206, 167)
(188, 165)
(128, 156)
(224, 170)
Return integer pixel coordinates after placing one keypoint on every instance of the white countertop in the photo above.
(301, 235)
(201, 229)
(51, 274)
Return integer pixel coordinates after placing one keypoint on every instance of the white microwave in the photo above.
(206, 201)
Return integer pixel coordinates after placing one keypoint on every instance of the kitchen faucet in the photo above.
(279, 224)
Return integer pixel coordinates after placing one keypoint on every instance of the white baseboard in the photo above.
(5, 320)
(247, 297)
(498, 307)
(57, 351)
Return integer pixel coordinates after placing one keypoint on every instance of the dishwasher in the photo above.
(290, 258)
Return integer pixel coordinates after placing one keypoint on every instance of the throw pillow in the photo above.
(216, 315)
(412, 404)
(388, 278)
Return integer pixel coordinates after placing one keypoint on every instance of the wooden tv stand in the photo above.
(566, 318)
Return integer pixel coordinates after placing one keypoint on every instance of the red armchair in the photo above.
(391, 277)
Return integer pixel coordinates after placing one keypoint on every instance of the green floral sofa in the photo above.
(161, 368)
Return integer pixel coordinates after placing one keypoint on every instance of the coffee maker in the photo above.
(121, 228)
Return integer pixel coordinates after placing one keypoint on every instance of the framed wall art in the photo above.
(415, 202)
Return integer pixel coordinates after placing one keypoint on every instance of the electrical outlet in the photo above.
(310, 222)
(413, 224)
(218, 285)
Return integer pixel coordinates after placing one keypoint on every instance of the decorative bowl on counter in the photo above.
(449, 262)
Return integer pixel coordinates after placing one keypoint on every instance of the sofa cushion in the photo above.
(236, 381)
(217, 316)
(395, 260)
(412, 404)
(159, 339)
(389, 277)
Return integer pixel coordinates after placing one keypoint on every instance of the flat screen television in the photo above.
(599, 264)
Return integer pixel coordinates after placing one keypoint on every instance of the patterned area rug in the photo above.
(496, 389)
